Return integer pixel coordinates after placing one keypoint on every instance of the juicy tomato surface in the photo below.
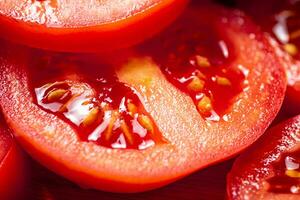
(64, 25)
(270, 168)
(282, 20)
(138, 119)
(12, 166)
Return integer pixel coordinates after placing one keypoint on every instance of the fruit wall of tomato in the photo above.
(73, 37)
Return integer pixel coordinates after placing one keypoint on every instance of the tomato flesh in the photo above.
(85, 26)
(282, 20)
(191, 140)
(270, 168)
(57, 13)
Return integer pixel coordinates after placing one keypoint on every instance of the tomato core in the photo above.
(90, 98)
(287, 174)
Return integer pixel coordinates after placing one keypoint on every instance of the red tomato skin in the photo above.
(101, 38)
(14, 171)
(245, 180)
(13, 174)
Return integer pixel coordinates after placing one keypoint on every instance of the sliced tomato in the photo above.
(62, 25)
(282, 20)
(12, 166)
(138, 119)
(270, 168)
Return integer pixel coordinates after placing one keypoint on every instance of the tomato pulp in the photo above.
(270, 168)
(83, 26)
(94, 102)
(282, 20)
(149, 115)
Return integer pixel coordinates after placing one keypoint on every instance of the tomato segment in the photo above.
(94, 102)
(270, 168)
(193, 142)
(282, 20)
(64, 25)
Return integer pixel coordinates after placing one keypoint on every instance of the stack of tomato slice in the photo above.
(127, 96)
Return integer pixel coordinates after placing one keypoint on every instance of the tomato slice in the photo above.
(56, 102)
(270, 168)
(12, 166)
(282, 20)
(63, 25)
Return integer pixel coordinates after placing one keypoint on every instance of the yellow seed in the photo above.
(202, 61)
(291, 49)
(204, 105)
(126, 132)
(86, 102)
(146, 122)
(294, 35)
(196, 84)
(292, 173)
(109, 129)
(56, 95)
(131, 108)
(223, 81)
(200, 75)
(64, 107)
(91, 117)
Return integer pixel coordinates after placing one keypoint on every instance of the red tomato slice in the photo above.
(62, 25)
(270, 168)
(12, 166)
(282, 20)
(137, 120)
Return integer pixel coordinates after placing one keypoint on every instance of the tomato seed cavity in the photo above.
(101, 109)
(287, 174)
(195, 59)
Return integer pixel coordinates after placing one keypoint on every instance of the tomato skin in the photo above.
(13, 174)
(250, 171)
(105, 37)
(13, 170)
(193, 142)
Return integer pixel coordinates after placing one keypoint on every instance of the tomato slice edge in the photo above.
(105, 37)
